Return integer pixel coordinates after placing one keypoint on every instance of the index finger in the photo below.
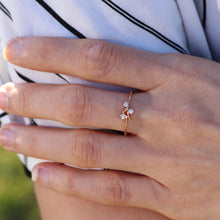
(94, 60)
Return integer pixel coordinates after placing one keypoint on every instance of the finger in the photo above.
(108, 187)
(94, 60)
(73, 105)
(83, 148)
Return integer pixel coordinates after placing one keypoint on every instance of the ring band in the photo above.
(125, 115)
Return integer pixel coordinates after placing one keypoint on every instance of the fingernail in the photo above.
(40, 175)
(7, 137)
(4, 94)
(13, 50)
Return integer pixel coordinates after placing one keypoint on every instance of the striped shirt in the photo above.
(161, 26)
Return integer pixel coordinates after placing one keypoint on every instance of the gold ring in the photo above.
(127, 111)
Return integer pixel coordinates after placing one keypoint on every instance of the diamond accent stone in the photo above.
(130, 111)
(126, 104)
(123, 116)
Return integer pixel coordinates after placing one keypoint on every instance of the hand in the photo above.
(172, 155)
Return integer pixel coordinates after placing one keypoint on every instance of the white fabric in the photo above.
(197, 41)
(213, 27)
(177, 21)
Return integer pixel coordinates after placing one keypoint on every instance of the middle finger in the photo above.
(82, 148)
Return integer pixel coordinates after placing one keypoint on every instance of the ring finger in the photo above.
(73, 105)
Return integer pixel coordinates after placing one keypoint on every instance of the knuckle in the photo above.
(180, 64)
(186, 74)
(101, 57)
(44, 50)
(32, 143)
(186, 204)
(70, 188)
(25, 102)
(184, 118)
(114, 189)
(188, 120)
(73, 105)
(84, 148)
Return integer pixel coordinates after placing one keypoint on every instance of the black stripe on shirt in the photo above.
(5, 10)
(33, 122)
(26, 79)
(144, 26)
(3, 114)
(59, 19)
(62, 78)
(27, 172)
(204, 13)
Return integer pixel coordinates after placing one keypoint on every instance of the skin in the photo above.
(169, 163)
(68, 207)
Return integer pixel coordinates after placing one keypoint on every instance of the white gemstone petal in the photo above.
(123, 116)
(130, 111)
(126, 104)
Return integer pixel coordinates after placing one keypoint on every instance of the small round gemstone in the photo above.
(123, 116)
(130, 111)
(126, 104)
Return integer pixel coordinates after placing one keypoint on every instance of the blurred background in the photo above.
(17, 200)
